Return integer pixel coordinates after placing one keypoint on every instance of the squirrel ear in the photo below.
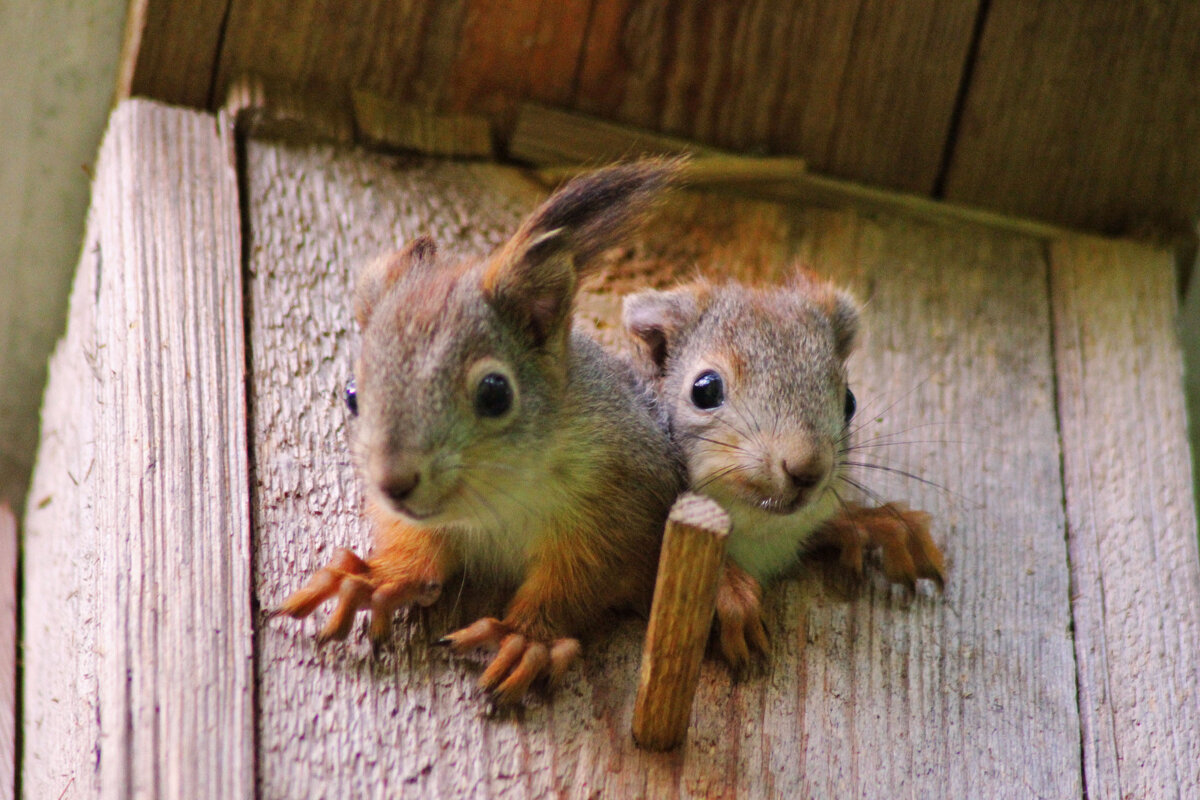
(379, 275)
(657, 318)
(844, 318)
(533, 287)
(532, 279)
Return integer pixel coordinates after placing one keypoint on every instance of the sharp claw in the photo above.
(445, 641)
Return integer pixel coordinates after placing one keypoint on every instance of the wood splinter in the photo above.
(681, 615)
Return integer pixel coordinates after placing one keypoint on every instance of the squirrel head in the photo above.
(754, 384)
(460, 380)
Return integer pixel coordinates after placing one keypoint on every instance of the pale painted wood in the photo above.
(138, 673)
(62, 553)
(1131, 520)
(869, 693)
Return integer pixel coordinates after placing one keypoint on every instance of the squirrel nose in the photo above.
(400, 486)
(805, 473)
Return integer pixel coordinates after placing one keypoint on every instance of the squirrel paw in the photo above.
(520, 658)
(739, 618)
(908, 551)
(357, 585)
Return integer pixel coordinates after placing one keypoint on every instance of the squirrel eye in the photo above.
(352, 397)
(494, 396)
(851, 405)
(708, 391)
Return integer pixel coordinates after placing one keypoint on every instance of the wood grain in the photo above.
(867, 688)
(137, 625)
(1062, 112)
(171, 49)
(402, 126)
(1083, 115)
(402, 51)
(1131, 521)
(862, 90)
(685, 599)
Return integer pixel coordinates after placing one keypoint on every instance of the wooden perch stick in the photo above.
(680, 618)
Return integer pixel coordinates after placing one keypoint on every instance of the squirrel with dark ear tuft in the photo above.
(496, 440)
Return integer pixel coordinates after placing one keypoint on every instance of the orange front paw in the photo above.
(521, 657)
(907, 550)
(358, 584)
(739, 618)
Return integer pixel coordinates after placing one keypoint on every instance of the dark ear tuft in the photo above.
(532, 279)
(844, 319)
(658, 318)
(379, 275)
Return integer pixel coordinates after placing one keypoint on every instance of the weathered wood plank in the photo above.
(137, 604)
(1131, 519)
(171, 49)
(820, 80)
(60, 717)
(931, 697)
(550, 137)
(563, 142)
(975, 695)
(406, 127)
(862, 90)
(516, 49)
(1083, 114)
(401, 51)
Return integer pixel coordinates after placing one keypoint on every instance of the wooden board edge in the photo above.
(161, 680)
(1131, 516)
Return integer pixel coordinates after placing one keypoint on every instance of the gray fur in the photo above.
(581, 451)
(781, 354)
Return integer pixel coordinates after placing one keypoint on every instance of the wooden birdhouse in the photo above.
(1006, 186)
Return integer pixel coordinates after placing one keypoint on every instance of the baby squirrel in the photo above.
(497, 440)
(753, 385)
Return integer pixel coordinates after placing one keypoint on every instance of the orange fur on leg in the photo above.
(408, 565)
(536, 639)
(739, 617)
(902, 533)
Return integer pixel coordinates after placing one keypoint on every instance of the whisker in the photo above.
(483, 503)
(744, 433)
(867, 414)
(718, 442)
(506, 495)
(907, 474)
(871, 494)
(883, 505)
(890, 434)
(875, 445)
(721, 473)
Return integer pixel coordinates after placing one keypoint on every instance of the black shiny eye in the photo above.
(851, 405)
(352, 397)
(708, 391)
(494, 396)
